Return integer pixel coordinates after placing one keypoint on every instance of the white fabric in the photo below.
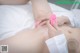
(57, 44)
(14, 18)
(76, 19)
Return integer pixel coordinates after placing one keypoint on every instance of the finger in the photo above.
(53, 21)
(50, 26)
(51, 30)
(55, 25)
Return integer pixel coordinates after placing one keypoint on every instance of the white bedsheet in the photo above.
(16, 18)
(76, 19)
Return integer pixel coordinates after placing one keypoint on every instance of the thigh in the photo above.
(26, 41)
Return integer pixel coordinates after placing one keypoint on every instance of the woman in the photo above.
(21, 41)
(33, 41)
(20, 17)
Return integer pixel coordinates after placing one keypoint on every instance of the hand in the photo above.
(53, 30)
(63, 20)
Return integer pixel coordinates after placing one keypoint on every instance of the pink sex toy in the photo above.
(53, 19)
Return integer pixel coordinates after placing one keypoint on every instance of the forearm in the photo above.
(40, 7)
(13, 2)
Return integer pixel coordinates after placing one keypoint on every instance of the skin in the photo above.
(26, 41)
(73, 39)
(71, 34)
(41, 11)
(39, 14)
(33, 40)
(63, 20)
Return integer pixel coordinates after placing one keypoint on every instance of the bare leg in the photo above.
(27, 41)
(33, 41)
